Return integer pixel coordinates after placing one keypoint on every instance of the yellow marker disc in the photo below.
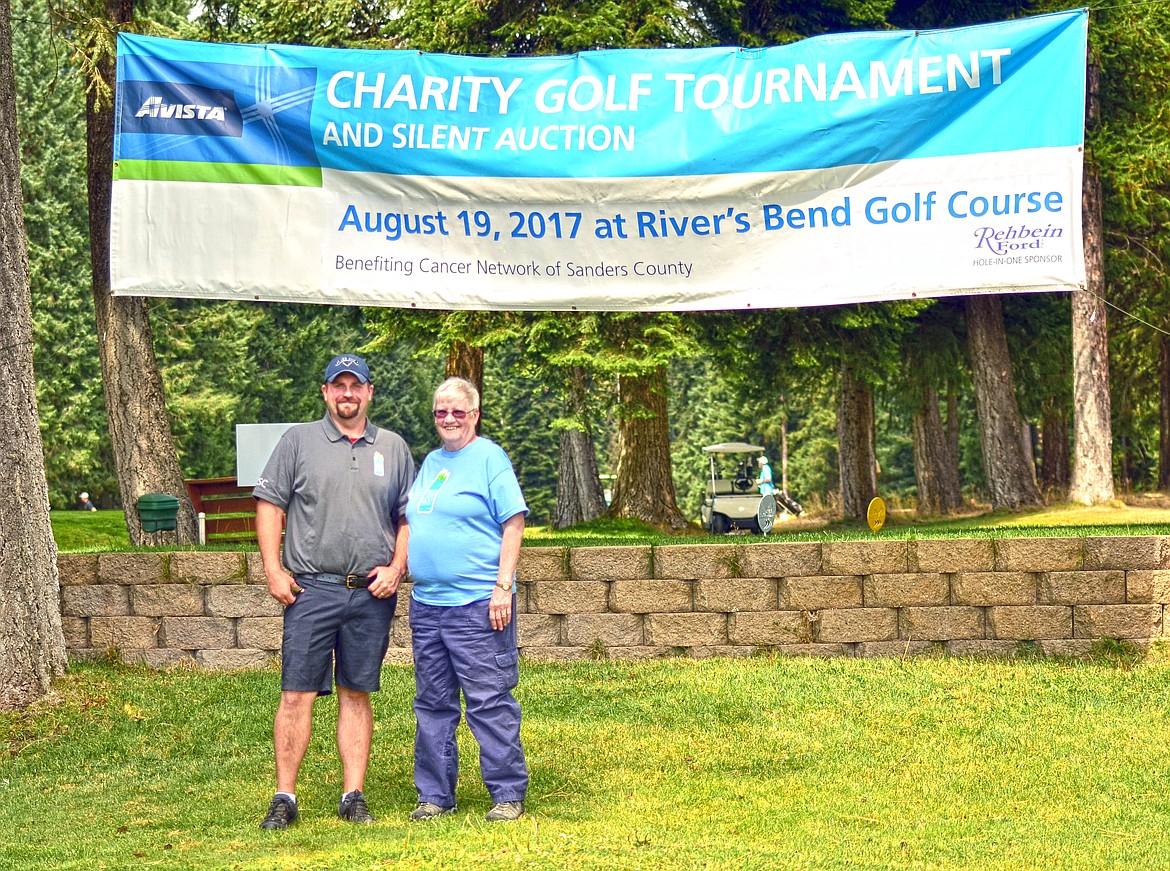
(875, 515)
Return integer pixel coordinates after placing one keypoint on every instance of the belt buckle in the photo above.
(351, 582)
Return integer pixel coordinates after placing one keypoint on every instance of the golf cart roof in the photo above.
(732, 448)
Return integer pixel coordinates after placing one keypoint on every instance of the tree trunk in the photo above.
(580, 496)
(1054, 458)
(1092, 466)
(935, 473)
(32, 647)
(1011, 479)
(1164, 410)
(784, 454)
(140, 431)
(466, 361)
(952, 426)
(856, 459)
(644, 487)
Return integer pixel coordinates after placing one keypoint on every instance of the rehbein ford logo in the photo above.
(1015, 238)
(179, 108)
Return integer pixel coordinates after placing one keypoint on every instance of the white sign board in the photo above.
(254, 445)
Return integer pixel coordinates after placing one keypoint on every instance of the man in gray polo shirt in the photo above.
(338, 488)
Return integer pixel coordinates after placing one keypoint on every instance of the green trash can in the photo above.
(158, 511)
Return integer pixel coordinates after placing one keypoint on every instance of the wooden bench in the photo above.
(229, 509)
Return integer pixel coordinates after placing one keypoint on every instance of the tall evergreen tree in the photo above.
(1010, 475)
(1092, 466)
(32, 646)
(50, 107)
(145, 455)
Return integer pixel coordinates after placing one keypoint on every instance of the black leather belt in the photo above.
(353, 582)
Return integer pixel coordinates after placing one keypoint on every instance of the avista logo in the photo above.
(154, 107)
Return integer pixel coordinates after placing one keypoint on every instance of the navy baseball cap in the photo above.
(343, 363)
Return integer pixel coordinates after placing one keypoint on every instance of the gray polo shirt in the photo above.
(342, 499)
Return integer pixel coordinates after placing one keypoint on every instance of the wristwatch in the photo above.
(506, 586)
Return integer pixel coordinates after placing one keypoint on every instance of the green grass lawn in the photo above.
(754, 763)
(89, 531)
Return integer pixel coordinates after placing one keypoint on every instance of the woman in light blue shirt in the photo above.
(465, 517)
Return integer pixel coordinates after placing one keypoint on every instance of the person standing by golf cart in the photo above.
(765, 479)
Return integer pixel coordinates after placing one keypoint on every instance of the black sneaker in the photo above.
(353, 808)
(428, 810)
(280, 813)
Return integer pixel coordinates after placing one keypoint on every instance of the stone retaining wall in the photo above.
(857, 598)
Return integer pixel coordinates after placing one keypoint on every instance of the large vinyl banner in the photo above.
(849, 168)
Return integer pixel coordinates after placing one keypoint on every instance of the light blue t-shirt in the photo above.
(456, 511)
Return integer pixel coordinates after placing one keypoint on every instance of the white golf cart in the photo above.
(732, 500)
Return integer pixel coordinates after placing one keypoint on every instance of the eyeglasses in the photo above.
(456, 413)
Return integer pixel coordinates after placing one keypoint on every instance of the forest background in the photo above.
(782, 378)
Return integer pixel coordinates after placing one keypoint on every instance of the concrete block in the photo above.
(820, 650)
(568, 597)
(1030, 622)
(166, 600)
(610, 563)
(736, 594)
(95, 601)
(402, 606)
(1147, 587)
(953, 555)
(207, 567)
(541, 630)
(1082, 588)
(400, 634)
(543, 564)
(1038, 554)
(1111, 621)
(159, 659)
(198, 633)
(768, 628)
(689, 561)
(821, 591)
(723, 651)
(886, 557)
(983, 648)
(523, 593)
(899, 649)
(941, 623)
(242, 600)
(123, 633)
(686, 630)
(254, 569)
(780, 559)
(1072, 648)
(1127, 552)
(611, 630)
(75, 569)
(401, 656)
(556, 654)
(634, 654)
(233, 660)
(993, 588)
(646, 597)
(260, 633)
(894, 591)
(131, 568)
(76, 631)
(857, 624)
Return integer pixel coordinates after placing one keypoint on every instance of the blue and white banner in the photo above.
(848, 168)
